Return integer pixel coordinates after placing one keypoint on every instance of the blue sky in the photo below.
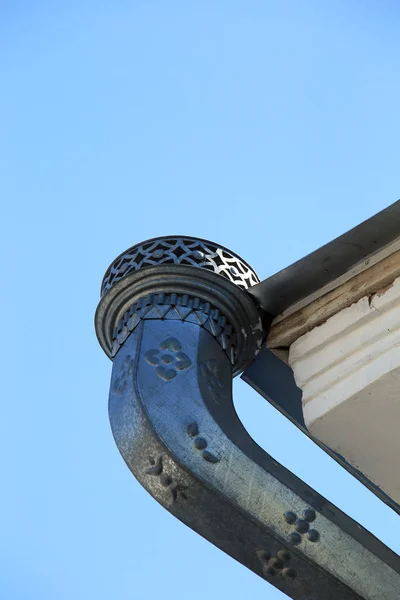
(268, 126)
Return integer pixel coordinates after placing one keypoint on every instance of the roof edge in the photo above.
(327, 264)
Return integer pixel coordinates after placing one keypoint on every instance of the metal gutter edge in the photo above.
(304, 277)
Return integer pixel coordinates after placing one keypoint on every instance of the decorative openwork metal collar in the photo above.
(178, 322)
(179, 250)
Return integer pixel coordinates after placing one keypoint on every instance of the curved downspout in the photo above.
(177, 332)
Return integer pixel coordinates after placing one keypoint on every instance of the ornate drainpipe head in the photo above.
(153, 279)
(178, 323)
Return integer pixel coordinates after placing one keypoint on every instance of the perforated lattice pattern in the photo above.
(181, 251)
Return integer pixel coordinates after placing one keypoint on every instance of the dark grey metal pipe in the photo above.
(178, 323)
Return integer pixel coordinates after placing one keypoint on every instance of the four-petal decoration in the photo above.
(168, 359)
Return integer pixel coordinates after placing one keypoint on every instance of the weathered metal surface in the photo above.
(177, 334)
(277, 293)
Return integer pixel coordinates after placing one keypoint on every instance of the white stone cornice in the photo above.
(349, 371)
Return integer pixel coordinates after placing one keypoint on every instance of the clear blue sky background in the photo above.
(268, 126)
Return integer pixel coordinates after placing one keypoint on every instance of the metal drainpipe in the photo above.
(177, 322)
